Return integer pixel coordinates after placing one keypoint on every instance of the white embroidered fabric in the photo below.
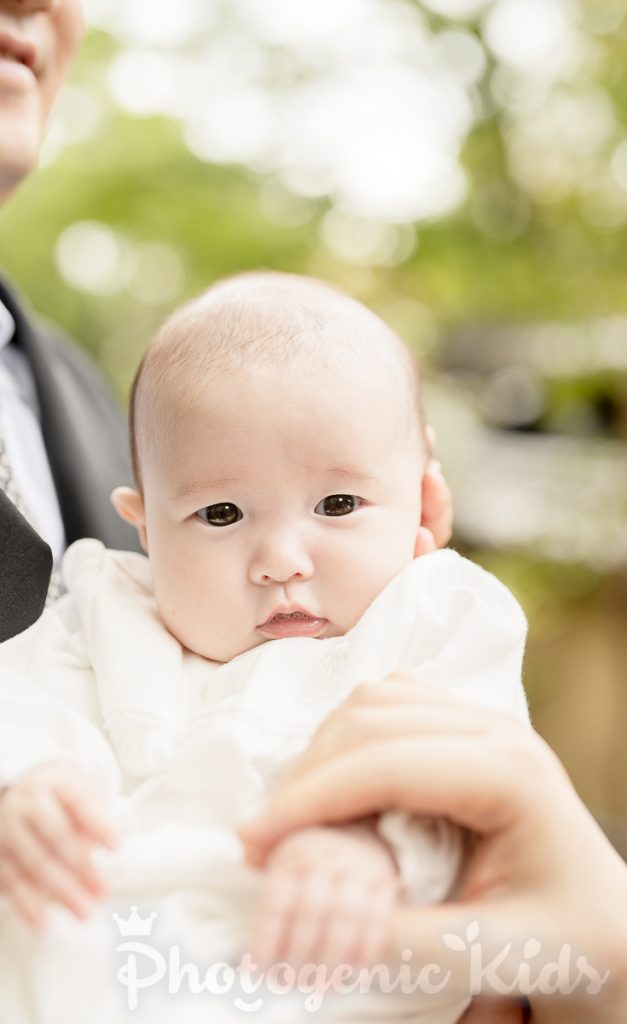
(186, 748)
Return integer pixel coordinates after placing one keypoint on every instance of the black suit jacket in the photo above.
(86, 441)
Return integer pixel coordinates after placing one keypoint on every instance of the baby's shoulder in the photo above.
(89, 564)
(446, 572)
(437, 598)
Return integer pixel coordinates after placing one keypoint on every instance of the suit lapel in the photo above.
(84, 433)
(25, 566)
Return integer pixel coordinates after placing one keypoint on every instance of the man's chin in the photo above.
(19, 153)
(11, 177)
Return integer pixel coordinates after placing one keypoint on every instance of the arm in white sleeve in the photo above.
(36, 728)
(137, 663)
(48, 702)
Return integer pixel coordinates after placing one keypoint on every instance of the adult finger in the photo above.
(461, 778)
(495, 1011)
(403, 687)
(355, 720)
(360, 724)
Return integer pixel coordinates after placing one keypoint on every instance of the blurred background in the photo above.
(460, 166)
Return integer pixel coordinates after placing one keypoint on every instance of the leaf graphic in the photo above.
(472, 931)
(532, 948)
(454, 942)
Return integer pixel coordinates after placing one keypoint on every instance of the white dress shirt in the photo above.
(20, 420)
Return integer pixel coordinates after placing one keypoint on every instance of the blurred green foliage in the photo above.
(137, 176)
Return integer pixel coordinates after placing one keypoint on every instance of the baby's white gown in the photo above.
(187, 748)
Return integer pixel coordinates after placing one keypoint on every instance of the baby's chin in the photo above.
(198, 640)
(220, 653)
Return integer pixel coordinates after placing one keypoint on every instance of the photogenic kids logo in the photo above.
(248, 987)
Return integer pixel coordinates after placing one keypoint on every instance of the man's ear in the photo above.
(129, 505)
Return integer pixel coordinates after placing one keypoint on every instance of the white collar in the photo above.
(7, 326)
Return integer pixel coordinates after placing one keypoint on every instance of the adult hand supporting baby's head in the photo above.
(540, 870)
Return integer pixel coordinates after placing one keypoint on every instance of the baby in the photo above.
(279, 448)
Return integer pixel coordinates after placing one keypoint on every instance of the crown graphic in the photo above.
(134, 924)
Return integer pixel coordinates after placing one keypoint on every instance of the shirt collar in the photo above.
(7, 326)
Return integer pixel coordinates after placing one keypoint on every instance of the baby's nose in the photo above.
(281, 558)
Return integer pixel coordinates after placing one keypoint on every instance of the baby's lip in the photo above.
(285, 611)
(292, 620)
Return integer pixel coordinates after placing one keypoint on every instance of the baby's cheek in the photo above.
(186, 622)
(365, 585)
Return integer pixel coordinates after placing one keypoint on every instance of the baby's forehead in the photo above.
(273, 332)
(312, 372)
(287, 324)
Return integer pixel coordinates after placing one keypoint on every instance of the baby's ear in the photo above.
(425, 543)
(129, 505)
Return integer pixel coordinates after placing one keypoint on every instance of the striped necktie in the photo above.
(13, 493)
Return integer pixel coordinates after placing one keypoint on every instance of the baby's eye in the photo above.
(337, 505)
(224, 513)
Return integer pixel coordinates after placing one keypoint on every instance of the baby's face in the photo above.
(280, 506)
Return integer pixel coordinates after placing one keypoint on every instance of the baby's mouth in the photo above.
(296, 623)
(281, 616)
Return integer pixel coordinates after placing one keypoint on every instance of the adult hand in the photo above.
(542, 886)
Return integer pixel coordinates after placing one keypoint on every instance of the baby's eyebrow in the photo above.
(349, 472)
(195, 486)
